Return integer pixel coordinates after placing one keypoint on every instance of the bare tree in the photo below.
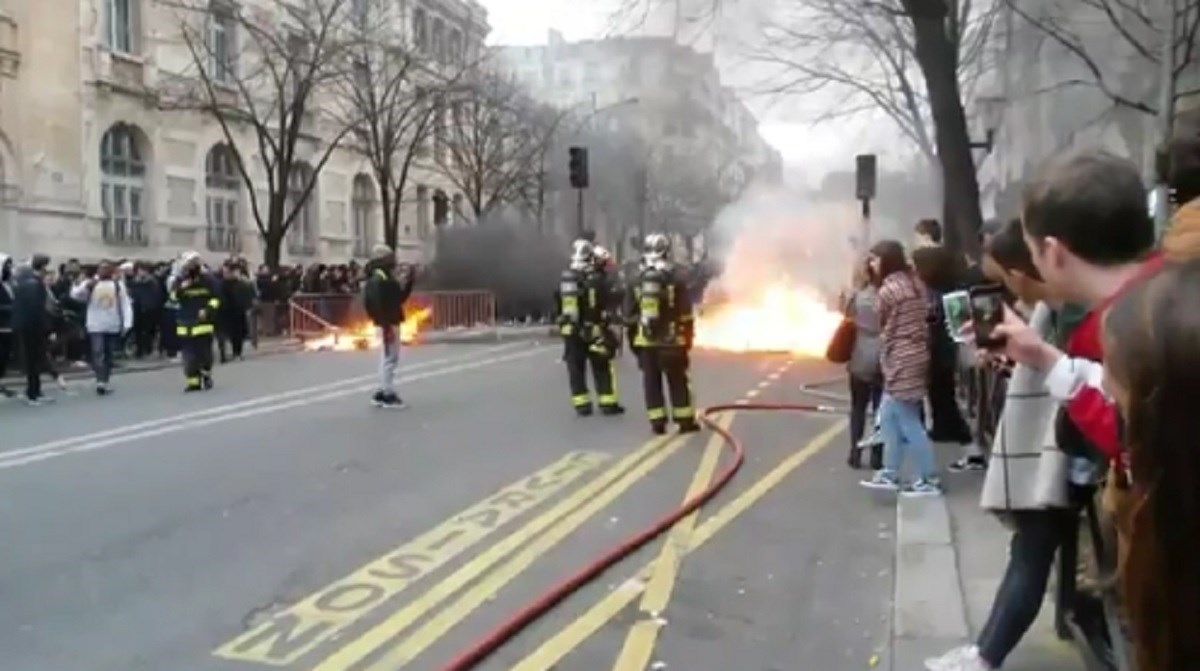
(268, 92)
(941, 38)
(393, 94)
(1139, 29)
(862, 57)
(490, 147)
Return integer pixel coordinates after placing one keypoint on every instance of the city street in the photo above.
(280, 521)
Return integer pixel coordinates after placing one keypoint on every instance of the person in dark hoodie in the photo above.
(6, 335)
(384, 295)
(31, 322)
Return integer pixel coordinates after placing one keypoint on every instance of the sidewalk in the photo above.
(950, 557)
(266, 347)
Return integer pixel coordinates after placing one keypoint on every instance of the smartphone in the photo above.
(987, 312)
(956, 306)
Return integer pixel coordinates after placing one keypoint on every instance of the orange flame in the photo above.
(779, 319)
(366, 336)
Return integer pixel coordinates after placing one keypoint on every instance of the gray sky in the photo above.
(815, 151)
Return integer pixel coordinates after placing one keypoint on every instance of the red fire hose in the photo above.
(516, 622)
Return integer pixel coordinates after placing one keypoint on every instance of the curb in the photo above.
(929, 614)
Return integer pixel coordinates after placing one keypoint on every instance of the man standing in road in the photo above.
(196, 295)
(384, 295)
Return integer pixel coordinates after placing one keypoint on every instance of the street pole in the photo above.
(866, 226)
(579, 211)
(1166, 114)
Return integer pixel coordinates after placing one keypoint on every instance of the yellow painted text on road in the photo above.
(639, 643)
(586, 503)
(294, 632)
(561, 644)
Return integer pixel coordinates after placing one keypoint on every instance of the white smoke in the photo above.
(772, 236)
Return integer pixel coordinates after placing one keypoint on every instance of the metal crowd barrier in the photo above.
(312, 315)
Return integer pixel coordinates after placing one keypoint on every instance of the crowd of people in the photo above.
(74, 315)
(1093, 380)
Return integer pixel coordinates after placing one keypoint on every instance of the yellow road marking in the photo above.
(559, 520)
(289, 635)
(639, 643)
(570, 637)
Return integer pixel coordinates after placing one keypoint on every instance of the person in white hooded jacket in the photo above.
(109, 318)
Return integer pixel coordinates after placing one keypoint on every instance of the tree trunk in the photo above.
(391, 223)
(272, 249)
(960, 187)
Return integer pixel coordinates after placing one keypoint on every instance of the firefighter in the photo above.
(658, 314)
(195, 293)
(584, 304)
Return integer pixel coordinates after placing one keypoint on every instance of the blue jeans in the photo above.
(103, 347)
(903, 433)
(389, 359)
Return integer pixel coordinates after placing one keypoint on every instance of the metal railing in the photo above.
(313, 315)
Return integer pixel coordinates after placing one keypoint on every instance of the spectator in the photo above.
(866, 376)
(903, 313)
(1027, 478)
(1152, 367)
(31, 323)
(1088, 231)
(109, 317)
(237, 298)
(6, 334)
(147, 296)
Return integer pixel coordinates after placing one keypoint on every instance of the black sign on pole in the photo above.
(864, 176)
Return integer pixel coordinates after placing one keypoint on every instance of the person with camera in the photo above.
(384, 295)
(196, 295)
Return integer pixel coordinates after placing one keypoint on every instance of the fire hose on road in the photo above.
(519, 620)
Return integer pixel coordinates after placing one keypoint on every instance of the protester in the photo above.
(383, 297)
(905, 362)
(109, 318)
(1152, 368)
(863, 369)
(31, 323)
(147, 296)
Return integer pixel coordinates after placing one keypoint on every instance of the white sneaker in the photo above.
(965, 658)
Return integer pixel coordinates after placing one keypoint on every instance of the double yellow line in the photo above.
(655, 579)
(529, 544)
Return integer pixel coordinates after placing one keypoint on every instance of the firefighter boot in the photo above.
(584, 410)
(612, 410)
(688, 426)
(206, 380)
(658, 426)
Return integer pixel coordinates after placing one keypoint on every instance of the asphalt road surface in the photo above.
(280, 521)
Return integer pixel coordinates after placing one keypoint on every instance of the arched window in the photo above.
(223, 200)
(123, 186)
(441, 208)
(362, 207)
(422, 213)
(302, 234)
(420, 29)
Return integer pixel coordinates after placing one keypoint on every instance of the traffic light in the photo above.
(864, 176)
(579, 167)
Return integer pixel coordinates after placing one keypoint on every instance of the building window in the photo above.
(437, 40)
(441, 208)
(222, 56)
(362, 207)
(420, 29)
(223, 199)
(423, 211)
(302, 234)
(456, 47)
(123, 186)
(120, 21)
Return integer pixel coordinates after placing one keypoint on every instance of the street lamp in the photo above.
(579, 155)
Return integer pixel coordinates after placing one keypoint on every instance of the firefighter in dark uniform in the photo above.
(195, 292)
(584, 301)
(658, 313)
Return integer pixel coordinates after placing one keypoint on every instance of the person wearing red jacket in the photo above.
(1088, 229)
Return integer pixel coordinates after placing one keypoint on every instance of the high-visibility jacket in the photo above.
(198, 302)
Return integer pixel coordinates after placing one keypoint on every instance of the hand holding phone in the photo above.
(956, 306)
(987, 313)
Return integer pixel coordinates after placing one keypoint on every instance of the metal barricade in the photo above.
(313, 315)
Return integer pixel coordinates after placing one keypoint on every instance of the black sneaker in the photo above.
(973, 463)
(379, 399)
(393, 402)
(102, 390)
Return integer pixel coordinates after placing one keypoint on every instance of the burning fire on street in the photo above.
(784, 261)
(366, 336)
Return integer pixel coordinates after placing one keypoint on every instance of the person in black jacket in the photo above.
(384, 295)
(31, 323)
(6, 304)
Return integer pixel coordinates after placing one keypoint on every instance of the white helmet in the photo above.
(583, 254)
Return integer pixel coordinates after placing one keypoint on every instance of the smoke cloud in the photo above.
(772, 236)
